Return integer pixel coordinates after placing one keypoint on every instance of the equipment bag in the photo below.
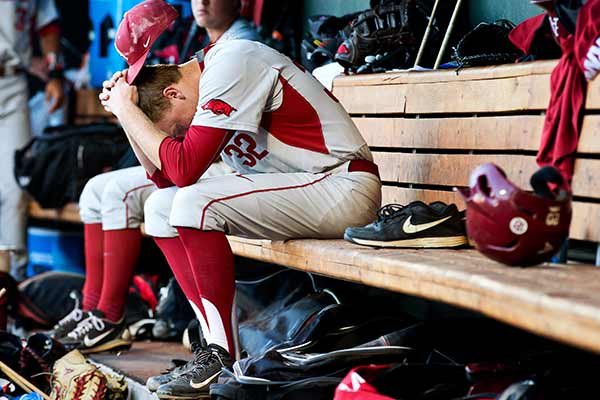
(54, 168)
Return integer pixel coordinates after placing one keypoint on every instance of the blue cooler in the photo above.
(104, 58)
(106, 16)
(54, 250)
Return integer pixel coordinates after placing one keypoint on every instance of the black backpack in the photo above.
(54, 168)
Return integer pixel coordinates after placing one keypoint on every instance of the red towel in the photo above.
(580, 59)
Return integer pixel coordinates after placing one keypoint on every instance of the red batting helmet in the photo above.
(516, 227)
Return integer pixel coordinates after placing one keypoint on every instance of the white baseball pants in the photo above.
(14, 133)
(268, 206)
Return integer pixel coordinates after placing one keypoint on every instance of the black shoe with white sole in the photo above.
(95, 334)
(195, 383)
(154, 382)
(71, 320)
(416, 225)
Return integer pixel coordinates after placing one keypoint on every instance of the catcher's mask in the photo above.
(513, 226)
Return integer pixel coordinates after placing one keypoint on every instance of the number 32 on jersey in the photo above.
(244, 147)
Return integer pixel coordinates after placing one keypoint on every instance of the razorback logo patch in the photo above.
(218, 107)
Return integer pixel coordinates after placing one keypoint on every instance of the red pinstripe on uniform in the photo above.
(253, 192)
(127, 205)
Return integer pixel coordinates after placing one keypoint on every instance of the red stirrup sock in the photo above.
(93, 243)
(212, 264)
(121, 252)
(173, 250)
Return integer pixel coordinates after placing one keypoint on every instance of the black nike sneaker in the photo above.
(154, 382)
(95, 334)
(416, 225)
(195, 383)
(71, 320)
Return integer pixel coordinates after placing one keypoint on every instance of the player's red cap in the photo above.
(138, 31)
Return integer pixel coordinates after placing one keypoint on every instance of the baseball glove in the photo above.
(390, 26)
(487, 44)
(76, 379)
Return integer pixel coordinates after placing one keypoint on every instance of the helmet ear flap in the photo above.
(545, 180)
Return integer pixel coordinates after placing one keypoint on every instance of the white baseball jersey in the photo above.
(19, 18)
(284, 119)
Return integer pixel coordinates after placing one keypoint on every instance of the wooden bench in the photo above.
(427, 132)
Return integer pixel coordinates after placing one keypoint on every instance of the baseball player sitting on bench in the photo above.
(112, 210)
(303, 170)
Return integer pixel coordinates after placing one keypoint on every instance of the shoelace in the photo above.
(86, 326)
(389, 211)
(75, 315)
(196, 350)
(202, 361)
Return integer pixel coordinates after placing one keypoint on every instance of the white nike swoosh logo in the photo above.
(92, 342)
(203, 384)
(147, 42)
(408, 227)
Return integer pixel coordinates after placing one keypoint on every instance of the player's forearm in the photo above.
(184, 162)
(141, 131)
(144, 161)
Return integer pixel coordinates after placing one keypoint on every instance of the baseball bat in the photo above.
(426, 34)
(21, 381)
(438, 61)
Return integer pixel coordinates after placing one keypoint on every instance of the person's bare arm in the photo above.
(144, 161)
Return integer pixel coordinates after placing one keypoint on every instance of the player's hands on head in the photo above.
(121, 96)
(108, 85)
(116, 92)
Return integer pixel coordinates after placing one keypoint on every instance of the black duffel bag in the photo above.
(55, 167)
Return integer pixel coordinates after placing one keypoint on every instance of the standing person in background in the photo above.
(222, 21)
(75, 42)
(19, 19)
(112, 209)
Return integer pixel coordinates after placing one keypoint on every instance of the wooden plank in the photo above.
(560, 302)
(484, 133)
(399, 195)
(584, 225)
(589, 141)
(454, 169)
(448, 169)
(467, 74)
(593, 97)
(586, 178)
(495, 95)
(69, 213)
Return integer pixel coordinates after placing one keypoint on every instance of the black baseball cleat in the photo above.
(95, 334)
(195, 383)
(416, 225)
(71, 320)
(154, 382)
